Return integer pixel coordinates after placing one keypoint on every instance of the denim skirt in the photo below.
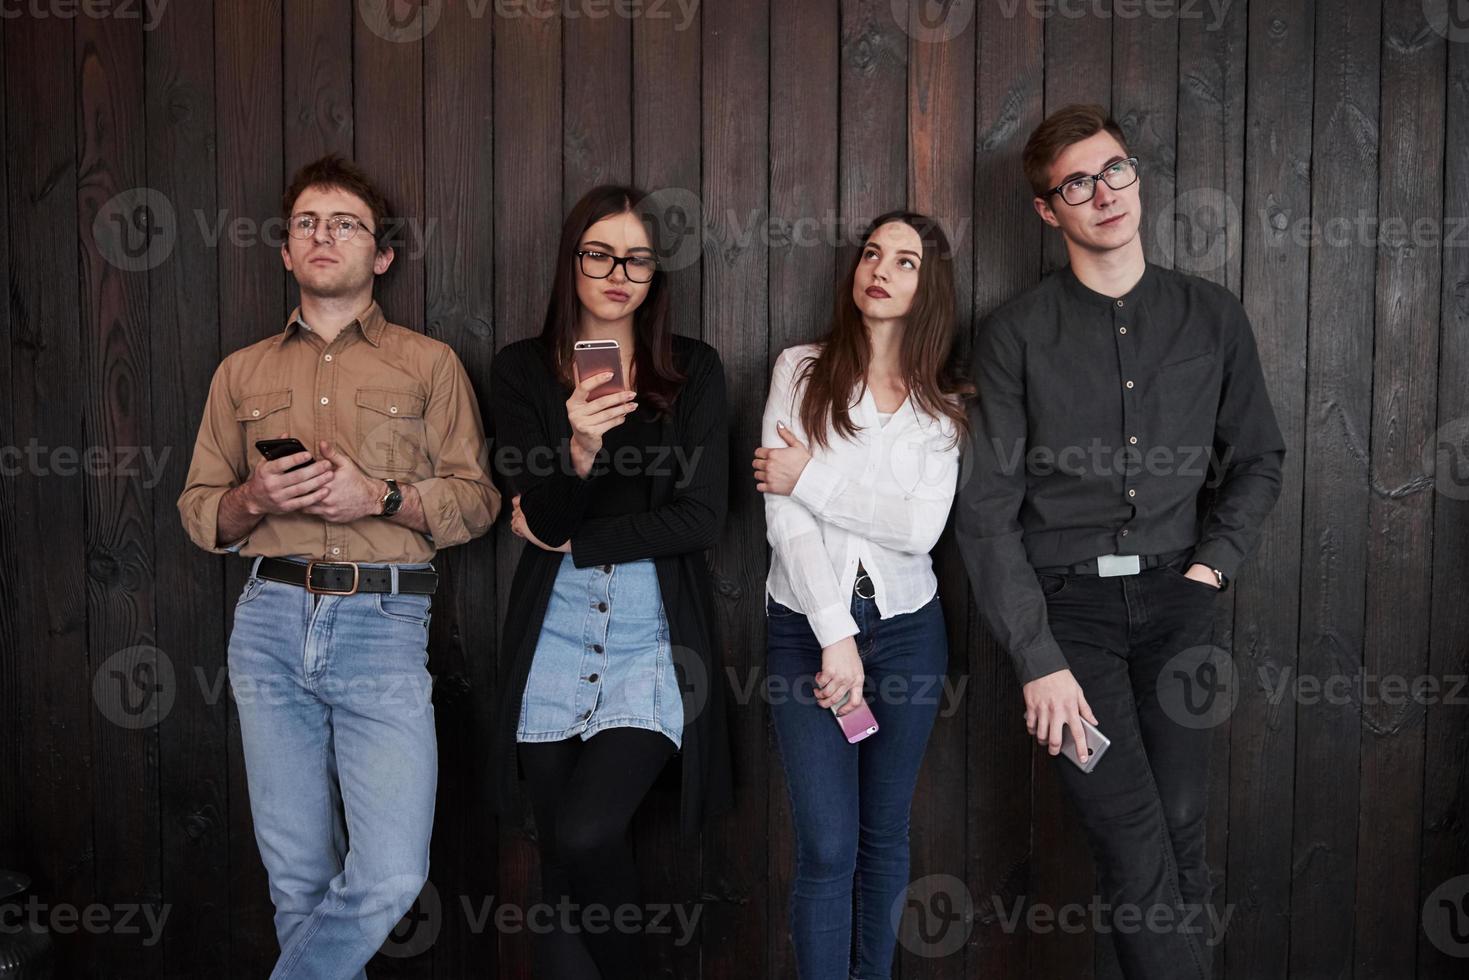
(603, 659)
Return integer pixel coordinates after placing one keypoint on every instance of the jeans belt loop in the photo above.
(255, 566)
(393, 573)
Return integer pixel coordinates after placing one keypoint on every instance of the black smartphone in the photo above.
(277, 448)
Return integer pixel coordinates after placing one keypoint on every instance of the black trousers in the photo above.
(584, 795)
(1139, 647)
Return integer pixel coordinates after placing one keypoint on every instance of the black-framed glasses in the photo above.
(341, 226)
(1079, 190)
(599, 265)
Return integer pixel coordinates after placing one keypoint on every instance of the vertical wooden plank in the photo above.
(874, 111)
(665, 150)
(317, 42)
(247, 93)
(666, 153)
(527, 195)
(1078, 54)
(459, 269)
(1399, 549)
(1078, 49)
(183, 295)
(736, 62)
(114, 370)
(805, 62)
(1445, 853)
(1145, 103)
(387, 92)
(941, 84)
(1007, 259)
(14, 729)
(55, 846)
(1262, 756)
(1335, 513)
(1206, 242)
(597, 138)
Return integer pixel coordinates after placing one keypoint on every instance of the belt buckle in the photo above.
(857, 586)
(356, 576)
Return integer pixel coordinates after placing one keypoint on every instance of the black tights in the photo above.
(584, 794)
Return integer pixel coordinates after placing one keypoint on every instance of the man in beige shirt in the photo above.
(328, 654)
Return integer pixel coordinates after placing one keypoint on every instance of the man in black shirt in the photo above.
(1113, 398)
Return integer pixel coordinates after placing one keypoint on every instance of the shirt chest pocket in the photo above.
(264, 416)
(391, 434)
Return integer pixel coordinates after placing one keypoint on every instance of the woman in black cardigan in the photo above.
(614, 664)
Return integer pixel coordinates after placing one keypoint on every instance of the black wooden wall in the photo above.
(1312, 157)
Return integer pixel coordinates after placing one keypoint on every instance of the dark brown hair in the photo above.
(656, 377)
(1067, 125)
(927, 346)
(332, 171)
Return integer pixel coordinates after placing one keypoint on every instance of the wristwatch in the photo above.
(392, 500)
(1219, 577)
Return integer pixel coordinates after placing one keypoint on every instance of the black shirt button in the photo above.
(592, 678)
(606, 569)
(601, 607)
(596, 648)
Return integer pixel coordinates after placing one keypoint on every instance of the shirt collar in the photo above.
(371, 322)
(1083, 293)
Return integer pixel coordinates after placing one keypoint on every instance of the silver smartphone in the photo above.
(1096, 744)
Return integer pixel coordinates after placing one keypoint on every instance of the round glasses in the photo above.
(341, 226)
(599, 265)
(1079, 190)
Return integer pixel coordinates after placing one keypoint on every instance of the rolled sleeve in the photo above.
(459, 501)
(213, 470)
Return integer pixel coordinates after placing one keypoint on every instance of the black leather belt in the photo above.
(1089, 567)
(347, 577)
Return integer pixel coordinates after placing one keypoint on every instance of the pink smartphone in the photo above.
(858, 724)
(598, 357)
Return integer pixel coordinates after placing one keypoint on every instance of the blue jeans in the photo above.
(333, 694)
(850, 803)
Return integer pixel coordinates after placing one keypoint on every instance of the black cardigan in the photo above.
(530, 436)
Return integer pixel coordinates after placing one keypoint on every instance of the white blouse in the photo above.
(880, 498)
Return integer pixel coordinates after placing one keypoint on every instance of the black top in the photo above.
(624, 475)
(682, 518)
(1099, 423)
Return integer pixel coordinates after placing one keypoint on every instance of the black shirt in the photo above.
(1098, 423)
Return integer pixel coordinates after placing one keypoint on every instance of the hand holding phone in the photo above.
(1096, 744)
(281, 448)
(274, 488)
(593, 357)
(856, 724)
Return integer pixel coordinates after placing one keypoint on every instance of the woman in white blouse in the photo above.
(858, 465)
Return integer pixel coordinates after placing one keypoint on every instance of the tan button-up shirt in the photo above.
(396, 402)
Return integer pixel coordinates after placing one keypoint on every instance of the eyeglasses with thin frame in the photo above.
(1079, 190)
(597, 264)
(341, 226)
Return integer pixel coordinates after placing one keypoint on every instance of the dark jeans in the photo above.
(1137, 646)
(849, 802)
(584, 795)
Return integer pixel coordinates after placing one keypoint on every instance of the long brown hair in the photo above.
(926, 355)
(658, 380)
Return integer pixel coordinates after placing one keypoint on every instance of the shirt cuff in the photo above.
(203, 524)
(1218, 554)
(446, 525)
(1038, 660)
(831, 624)
(817, 485)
